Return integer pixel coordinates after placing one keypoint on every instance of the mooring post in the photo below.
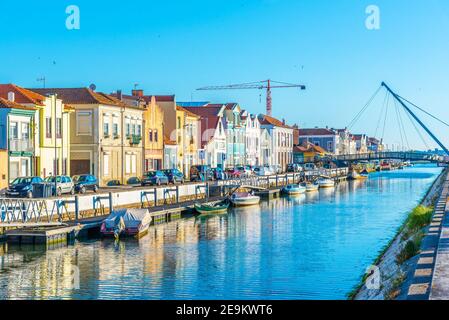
(76, 209)
(207, 190)
(155, 197)
(111, 207)
(177, 194)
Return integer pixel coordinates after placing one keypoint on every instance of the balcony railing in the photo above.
(21, 145)
(134, 139)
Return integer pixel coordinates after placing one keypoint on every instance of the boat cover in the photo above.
(132, 218)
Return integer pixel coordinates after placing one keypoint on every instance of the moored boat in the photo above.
(240, 199)
(126, 222)
(293, 189)
(311, 187)
(220, 207)
(326, 183)
(354, 175)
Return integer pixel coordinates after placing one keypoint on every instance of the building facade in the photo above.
(252, 138)
(16, 140)
(191, 139)
(281, 140)
(325, 138)
(212, 134)
(235, 135)
(51, 129)
(106, 136)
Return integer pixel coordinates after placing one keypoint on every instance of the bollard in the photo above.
(76, 209)
(177, 194)
(111, 207)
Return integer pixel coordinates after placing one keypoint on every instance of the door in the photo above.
(78, 167)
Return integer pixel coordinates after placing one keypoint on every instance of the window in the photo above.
(128, 164)
(13, 130)
(128, 128)
(48, 127)
(133, 163)
(329, 146)
(179, 122)
(58, 127)
(139, 130)
(155, 136)
(84, 123)
(106, 165)
(25, 130)
(106, 129)
(150, 135)
(115, 129)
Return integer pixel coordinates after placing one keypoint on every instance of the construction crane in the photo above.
(267, 84)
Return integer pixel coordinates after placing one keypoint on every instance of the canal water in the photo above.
(315, 246)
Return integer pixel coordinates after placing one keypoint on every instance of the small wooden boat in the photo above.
(311, 187)
(293, 189)
(354, 175)
(212, 208)
(126, 222)
(326, 183)
(240, 199)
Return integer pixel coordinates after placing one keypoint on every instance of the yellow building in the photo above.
(191, 139)
(3, 169)
(179, 138)
(153, 124)
(51, 129)
(106, 135)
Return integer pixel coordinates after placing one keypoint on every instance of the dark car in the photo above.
(22, 187)
(85, 182)
(174, 176)
(154, 178)
(201, 173)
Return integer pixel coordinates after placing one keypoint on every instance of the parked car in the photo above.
(64, 184)
(262, 171)
(85, 182)
(294, 167)
(174, 175)
(245, 171)
(22, 187)
(276, 169)
(134, 181)
(154, 178)
(201, 173)
(309, 166)
(233, 173)
(219, 174)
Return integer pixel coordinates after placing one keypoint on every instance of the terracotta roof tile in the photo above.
(267, 120)
(22, 95)
(6, 104)
(316, 132)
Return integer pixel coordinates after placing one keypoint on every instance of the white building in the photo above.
(281, 140)
(252, 136)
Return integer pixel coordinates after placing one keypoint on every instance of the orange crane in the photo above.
(267, 84)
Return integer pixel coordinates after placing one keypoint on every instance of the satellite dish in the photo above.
(93, 87)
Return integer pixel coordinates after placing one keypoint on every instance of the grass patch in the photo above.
(410, 249)
(395, 289)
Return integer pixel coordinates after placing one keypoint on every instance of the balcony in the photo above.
(21, 145)
(134, 139)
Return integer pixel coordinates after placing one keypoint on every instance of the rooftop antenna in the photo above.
(135, 86)
(41, 79)
(93, 87)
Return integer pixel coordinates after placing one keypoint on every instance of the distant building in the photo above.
(16, 141)
(326, 138)
(170, 153)
(308, 152)
(52, 128)
(235, 135)
(106, 136)
(374, 145)
(252, 136)
(212, 132)
(191, 137)
(281, 136)
(347, 144)
(361, 143)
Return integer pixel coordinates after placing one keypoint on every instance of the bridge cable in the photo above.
(426, 112)
(402, 124)
(385, 119)
(381, 114)
(417, 130)
(399, 123)
(357, 117)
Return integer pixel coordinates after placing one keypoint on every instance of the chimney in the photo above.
(137, 93)
(11, 96)
(119, 95)
(283, 122)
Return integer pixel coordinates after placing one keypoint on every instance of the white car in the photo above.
(262, 171)
(64, 184)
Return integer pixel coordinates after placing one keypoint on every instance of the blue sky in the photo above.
(174, 47)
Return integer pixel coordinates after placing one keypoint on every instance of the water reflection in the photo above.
(314, 246)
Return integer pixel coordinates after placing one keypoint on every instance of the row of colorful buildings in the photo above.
(70, 131)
